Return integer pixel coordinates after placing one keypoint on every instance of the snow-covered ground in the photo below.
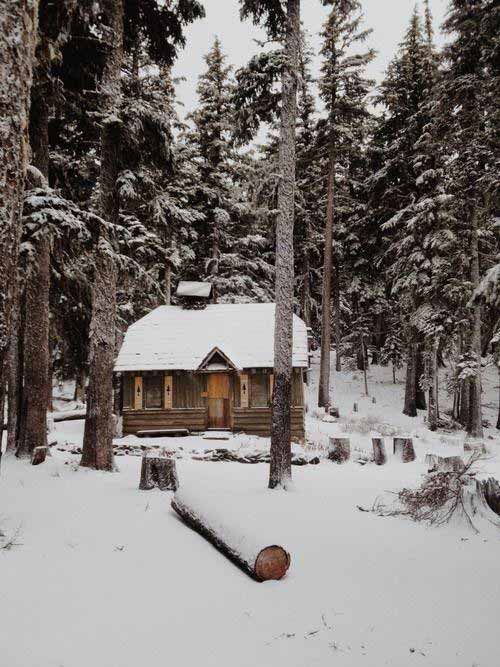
(106, 575)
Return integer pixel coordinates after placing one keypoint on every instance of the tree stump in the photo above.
(158, 472)
(403, 448)
(339, 450)
(334, 412)
(490, 489)
(444, 463)
(38, 455)
(379, 452)
(472, 445)
(261, 562)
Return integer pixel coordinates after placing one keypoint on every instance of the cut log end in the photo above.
(272, 563)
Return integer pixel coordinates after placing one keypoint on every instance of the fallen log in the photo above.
(260, 561)
(158, 472)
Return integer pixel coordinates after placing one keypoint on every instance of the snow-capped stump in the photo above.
(403, 448)
(379, 452)
(39, 455)
(339, 450)
(334, 412)
(158, 472)
(213, 517)
(474, 445)
(489, 488)
(437, 463)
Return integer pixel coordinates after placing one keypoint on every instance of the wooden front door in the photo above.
(219, 404)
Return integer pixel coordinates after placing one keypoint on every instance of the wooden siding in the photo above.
(142, 420)
(257, 421)
(188, 390)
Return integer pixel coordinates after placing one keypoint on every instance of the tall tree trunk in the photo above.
(498, 420)
(280, 472)
(419, 392)
(432, 414)
(305, 297)
(364, 355)
(475, 427)
(98, 436)
(18, 33)
(214, 266)
(410, 406)
(464, 409)
(326, 313)
(337, 318)
(37, 288)
(15, 368)
(168, 283)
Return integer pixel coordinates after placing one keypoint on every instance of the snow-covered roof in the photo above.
(177, 339)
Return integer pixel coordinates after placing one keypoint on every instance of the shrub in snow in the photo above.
(458, 495)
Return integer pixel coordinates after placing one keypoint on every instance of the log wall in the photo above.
(194, 419)
(257, 421)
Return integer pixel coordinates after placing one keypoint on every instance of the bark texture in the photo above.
(280, 469)
(403, 448)
(158, 472)
(18, 31)
(339, 450)
(15, 366)
(324, 399)
(379, 451)
(98, 436)
(475, 422)
(36, 302)
(410, 406)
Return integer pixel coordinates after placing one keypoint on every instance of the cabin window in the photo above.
(153, 391)
(259, 390)
(128, 391)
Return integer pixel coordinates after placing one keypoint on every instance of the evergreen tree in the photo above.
(408, 187)
(343, 89)
(469, 97)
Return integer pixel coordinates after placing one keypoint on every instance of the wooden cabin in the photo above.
(210, 368)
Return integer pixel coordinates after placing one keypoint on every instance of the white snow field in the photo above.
(104, 575)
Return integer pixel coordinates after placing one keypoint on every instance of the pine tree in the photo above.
(470, 89)
(403, 185)
(212, 129)
(343, 89)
